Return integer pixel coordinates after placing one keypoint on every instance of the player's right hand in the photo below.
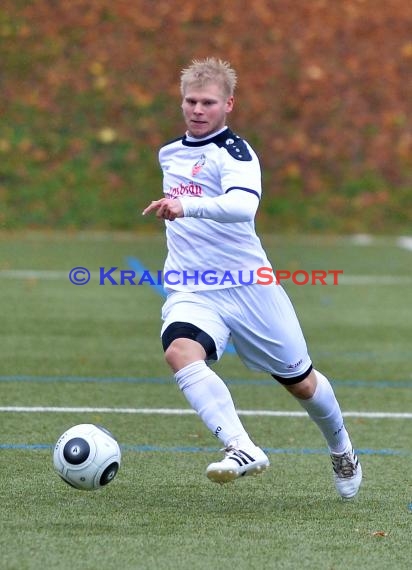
(165, 208)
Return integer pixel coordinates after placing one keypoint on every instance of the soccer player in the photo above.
(212, 189)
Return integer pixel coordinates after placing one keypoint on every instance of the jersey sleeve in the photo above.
(235, 206)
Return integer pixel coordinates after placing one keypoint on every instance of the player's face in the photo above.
(205, 109)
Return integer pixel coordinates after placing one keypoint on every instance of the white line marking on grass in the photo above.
(374, 280)
(405, 242)
(362, 239)
(32, 274)
(186, 412)
(45, 274)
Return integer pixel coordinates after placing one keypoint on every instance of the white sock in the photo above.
(211, 399)
(323, 408)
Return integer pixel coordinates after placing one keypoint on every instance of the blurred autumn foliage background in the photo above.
(90, 90)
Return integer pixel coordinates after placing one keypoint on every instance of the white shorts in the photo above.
(259, 319)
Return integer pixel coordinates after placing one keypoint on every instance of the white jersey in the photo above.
(206, 253)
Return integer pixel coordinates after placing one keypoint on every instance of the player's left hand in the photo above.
(166, 209)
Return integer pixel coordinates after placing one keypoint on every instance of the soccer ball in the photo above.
(87, 457)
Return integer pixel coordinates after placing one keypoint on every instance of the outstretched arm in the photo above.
(234, 206)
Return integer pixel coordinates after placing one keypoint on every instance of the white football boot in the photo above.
(238, 463)
(347, 472)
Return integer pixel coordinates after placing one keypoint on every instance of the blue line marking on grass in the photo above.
(269, 450)
(140, 269)
(382, 384)
(183, 449)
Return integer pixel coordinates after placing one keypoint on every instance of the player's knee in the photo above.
(302, 387)
(183, 351)
(170, 355)
(184, 343)
(305, 389)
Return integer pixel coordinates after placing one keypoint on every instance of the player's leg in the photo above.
(271, 339)
(192, 334)
(315, 394)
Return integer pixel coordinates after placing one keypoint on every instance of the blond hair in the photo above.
(209, 70)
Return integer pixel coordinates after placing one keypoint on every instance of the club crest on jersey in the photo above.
(197, 167)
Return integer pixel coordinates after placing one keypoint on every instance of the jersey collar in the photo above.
(187, 140)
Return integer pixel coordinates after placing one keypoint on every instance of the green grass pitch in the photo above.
(97, 347)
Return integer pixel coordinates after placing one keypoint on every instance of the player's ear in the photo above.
(229, 104)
